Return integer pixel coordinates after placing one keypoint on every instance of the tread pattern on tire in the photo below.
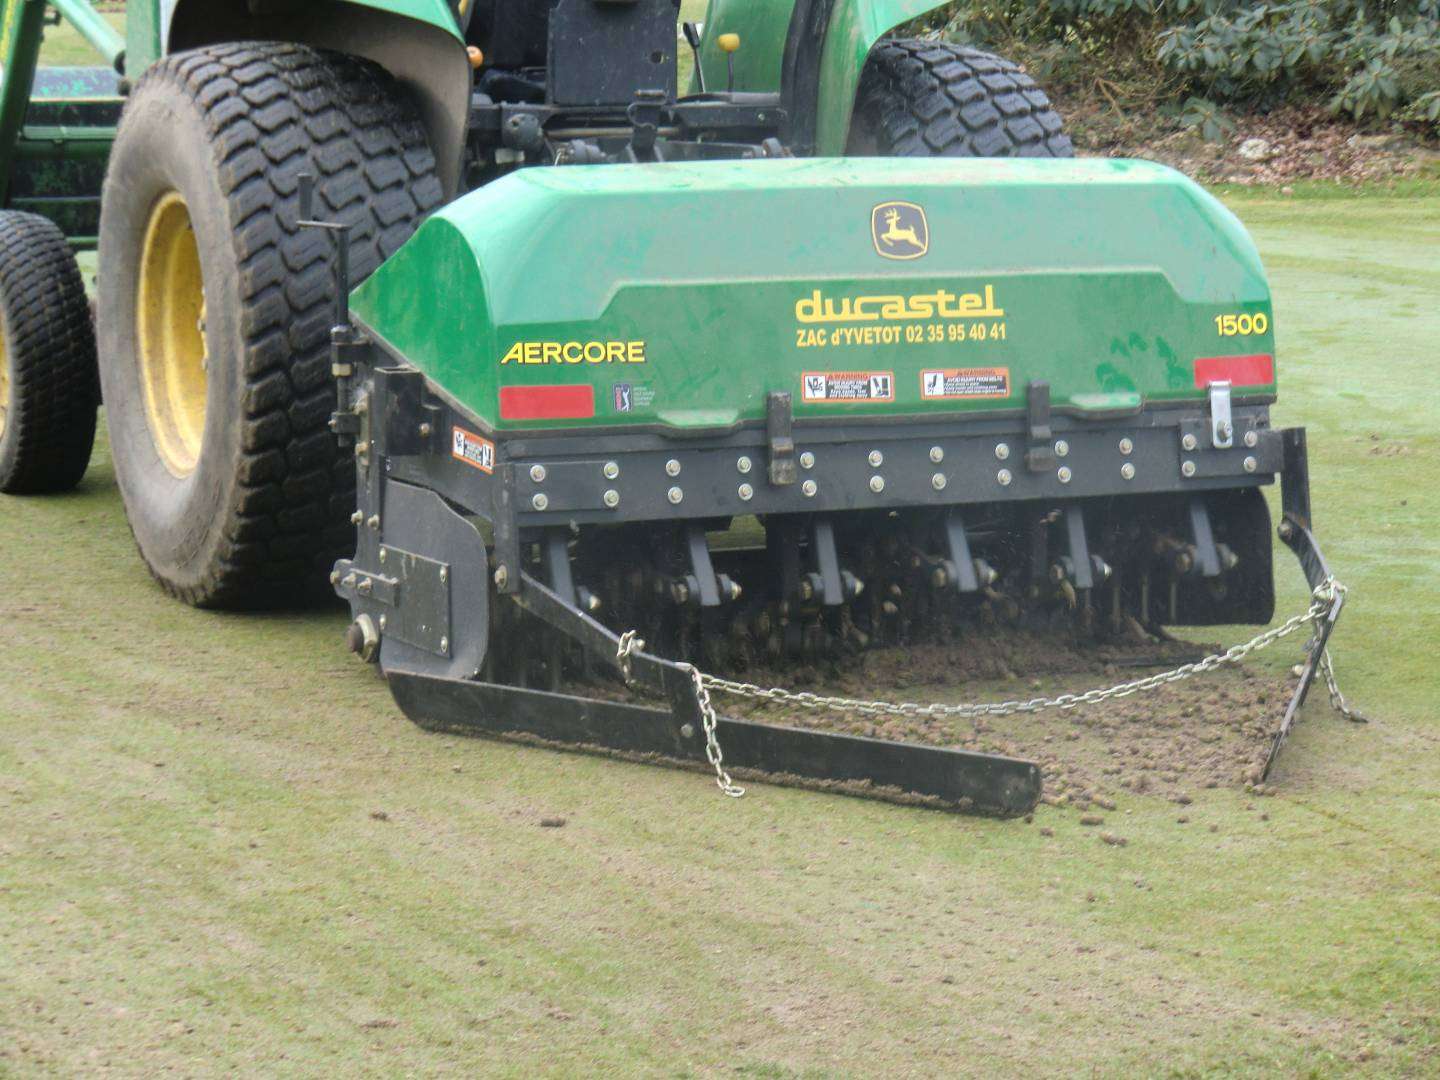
(273, 112)
(937, 99)
(50, 426)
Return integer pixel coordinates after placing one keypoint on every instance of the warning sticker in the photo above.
(847, 386)
(983, 382)
(472, 449)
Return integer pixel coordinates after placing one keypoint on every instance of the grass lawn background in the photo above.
(222, 848)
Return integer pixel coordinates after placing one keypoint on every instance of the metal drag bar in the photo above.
(876, 768)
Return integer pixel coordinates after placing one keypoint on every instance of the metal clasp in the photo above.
(1222, 428)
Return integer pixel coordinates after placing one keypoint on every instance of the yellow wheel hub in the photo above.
(4, 384)
(170, 325)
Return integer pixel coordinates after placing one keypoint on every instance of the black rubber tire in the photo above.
(231, 128)
(935, 99)
(49, 426)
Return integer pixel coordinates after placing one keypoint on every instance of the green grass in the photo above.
(193, 876)
(64, 47)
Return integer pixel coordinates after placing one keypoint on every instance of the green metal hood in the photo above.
(681, 294)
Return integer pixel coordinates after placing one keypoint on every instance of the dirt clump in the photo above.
(1213, 730)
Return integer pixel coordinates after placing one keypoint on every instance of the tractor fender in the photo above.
(812, 51)
(417, 41)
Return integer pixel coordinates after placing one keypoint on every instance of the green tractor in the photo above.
(825, 351)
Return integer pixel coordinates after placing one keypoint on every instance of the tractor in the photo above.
(557, 370)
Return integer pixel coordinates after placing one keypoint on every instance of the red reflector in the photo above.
(547, 402)
(1257, 370)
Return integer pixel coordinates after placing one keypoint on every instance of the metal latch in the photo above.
(780, 438)
(1222, 428)
(1040, 456)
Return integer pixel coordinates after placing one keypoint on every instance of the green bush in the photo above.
(1379, 59)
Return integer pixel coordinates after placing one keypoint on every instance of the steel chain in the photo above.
(1322, 598)
(631, 642)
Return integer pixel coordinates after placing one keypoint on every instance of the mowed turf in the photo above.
(222, 848)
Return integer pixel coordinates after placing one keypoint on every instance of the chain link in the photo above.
(713, 753)
(1321, 600)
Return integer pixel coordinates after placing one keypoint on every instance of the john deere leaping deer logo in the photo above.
(900, 230)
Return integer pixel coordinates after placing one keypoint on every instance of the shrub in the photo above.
(1369, 60)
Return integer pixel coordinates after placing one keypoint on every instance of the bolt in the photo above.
(374, 522)
(611, 470)
(1286, 530)
(426, 431)
(334, 577)
(876, 459)
(612, 498)
(1061, 448)
(502, 577)
(383, 554)
(744, 464)
(540, 501)
(746, 492)
(877, 484)
(675, 495)
(808, 488)
(445, 644)
(687, 730)
(1004, 477)
(1250, 464)
(357, 517)
(1127, 471)
(1002, 450)
(383, 621)
(537, 473)
(937, 454)
(1188, 441)
(1187, 468)
(1126, 445)
(444, 573)
(807, 460)
(938, 481)
(1252, 439)
(672, 467)
(1226, 429)
(1063, 474)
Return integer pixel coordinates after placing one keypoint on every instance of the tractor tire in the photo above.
(935, 99)
(48, 392)
(215, 308)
